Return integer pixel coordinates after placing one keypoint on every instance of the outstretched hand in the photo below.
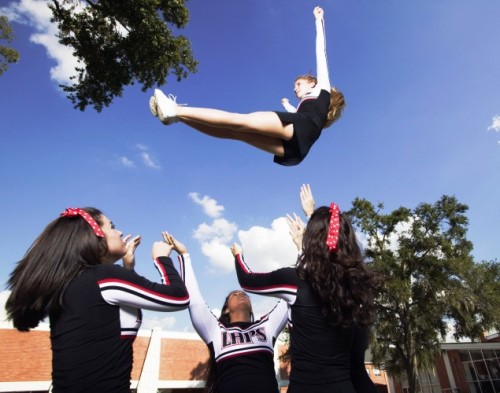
(297, 228)
(178, 247)
(235, 249)
(318, 12)
(131, 245)
(161, 249)
(307, 200)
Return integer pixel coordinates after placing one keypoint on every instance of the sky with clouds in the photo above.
(422, 88)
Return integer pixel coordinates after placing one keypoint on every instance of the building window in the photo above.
(482, 370)
(426, 380)
(376, 372)
(367, 370)
(429, 382)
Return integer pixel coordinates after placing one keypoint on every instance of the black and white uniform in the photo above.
(93, 333)
(310, 116)
(243, 351)
(324, 358)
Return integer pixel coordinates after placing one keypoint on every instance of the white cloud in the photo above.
(363, 239)
(126, 162)
(267, 249)
(143, 156)
(147, 158)
(36, 14)
(262, 305)
(210, 206)
(402, 230)
(219, 254)
(216, 311)
(220, 229)
(215, 240)
(151, 320)
(450, 330)
(3, 313)
(149, 161)
(495, 124)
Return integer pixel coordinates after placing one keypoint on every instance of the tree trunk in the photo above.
(412, 376)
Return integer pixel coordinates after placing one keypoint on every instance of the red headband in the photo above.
(76, 211)
(332, 237)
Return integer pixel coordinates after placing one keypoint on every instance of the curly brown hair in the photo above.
(339, 278)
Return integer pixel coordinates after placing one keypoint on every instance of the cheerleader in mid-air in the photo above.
(288, 135)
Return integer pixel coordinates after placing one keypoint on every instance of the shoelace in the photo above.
(174, 99)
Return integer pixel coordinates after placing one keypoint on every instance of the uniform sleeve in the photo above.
(282, 283)
(321, 59)
(289, 107)
(278, 317)
(124, 287)
(204, 321)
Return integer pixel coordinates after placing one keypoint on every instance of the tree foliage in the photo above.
(7, 54)
(119, 43)
(430, 281)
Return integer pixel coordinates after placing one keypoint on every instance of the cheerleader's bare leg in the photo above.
(261, 123)
(263, 142)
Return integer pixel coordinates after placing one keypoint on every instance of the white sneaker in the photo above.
(152, 106)
(165, 108)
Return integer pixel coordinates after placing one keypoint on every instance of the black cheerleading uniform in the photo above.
(243, 351)
(93, 333)
(324, 358)
(310, 116)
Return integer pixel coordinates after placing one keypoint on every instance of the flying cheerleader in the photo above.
(287, 135)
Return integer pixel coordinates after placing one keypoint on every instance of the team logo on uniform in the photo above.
(248, 337)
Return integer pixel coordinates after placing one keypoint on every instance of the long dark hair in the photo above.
(211, 375)
(340, 279)
(65, 248)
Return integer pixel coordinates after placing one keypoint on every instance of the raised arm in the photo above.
(131, 244)
(121, 286)
(281, 283)
(307, 200)
(296, 229)
(204, 322)
(288, 107)
(321, 58)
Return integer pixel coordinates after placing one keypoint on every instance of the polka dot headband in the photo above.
(332, 237)
(76, 211)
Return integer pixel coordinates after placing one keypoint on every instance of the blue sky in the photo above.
(422, 88)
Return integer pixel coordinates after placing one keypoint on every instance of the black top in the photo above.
(321, 354)
(308, 122)
(93, 333)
